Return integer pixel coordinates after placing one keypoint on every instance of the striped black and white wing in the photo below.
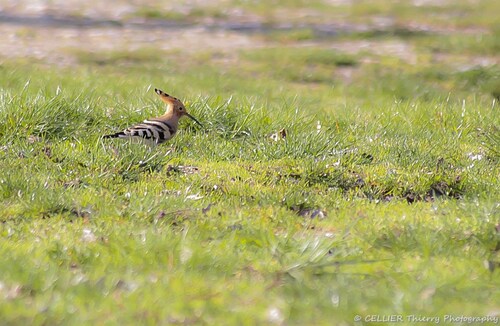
(152, 129)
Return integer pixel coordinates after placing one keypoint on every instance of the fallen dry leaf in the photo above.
(280, 135)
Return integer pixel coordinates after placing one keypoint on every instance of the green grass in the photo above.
(382, 198)
(456, 14)
(314, 228)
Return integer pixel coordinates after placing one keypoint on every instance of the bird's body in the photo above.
(159, 129)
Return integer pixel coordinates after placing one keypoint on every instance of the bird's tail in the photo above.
(115, 135)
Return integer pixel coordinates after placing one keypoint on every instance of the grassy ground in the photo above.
(382, 198)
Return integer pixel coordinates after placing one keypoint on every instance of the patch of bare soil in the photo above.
(50, 38)
(53, 44)
(49, 30)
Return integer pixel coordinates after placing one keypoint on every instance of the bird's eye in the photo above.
(181, 108)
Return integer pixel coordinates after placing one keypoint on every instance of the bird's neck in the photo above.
(171, 118)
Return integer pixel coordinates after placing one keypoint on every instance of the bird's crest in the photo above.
(170, 100)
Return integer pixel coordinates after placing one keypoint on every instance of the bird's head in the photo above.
(175, 106)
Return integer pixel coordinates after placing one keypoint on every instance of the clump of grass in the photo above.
(47, 116)
(290, 36)
(155, 13)
(491, 140)
(486, 44)
(480, 77)
(296, 57)
(226, 119)
(192, 14)
(120, 57)
(309, 65)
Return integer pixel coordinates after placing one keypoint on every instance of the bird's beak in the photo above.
(189, 115)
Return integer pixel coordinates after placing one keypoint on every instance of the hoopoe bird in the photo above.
(159, 129)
